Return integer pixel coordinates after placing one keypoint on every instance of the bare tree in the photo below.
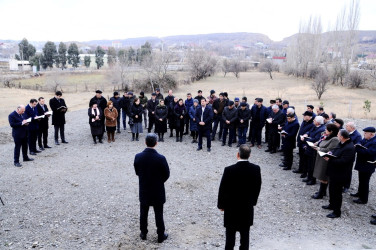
(356, 79)
(201, 63)
(236, 67)
(268, 67)
(319, 85)
(226, 67)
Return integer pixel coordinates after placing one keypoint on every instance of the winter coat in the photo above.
(161, 112)
(192, 115)
(58, 115)
(229, 115)
(207, 118)
(314, 136)
(151, 105)
(137, 110)
(304, 128)
(321, 165)
(289, 140)
(143, 101)
(43, 123)
(178, 112)
(364, 155)
(31, 113)
(116, 102)
(355, 137)
(244, 115)
(111, 114)
(102, 102)
(339, 168)
(96, 126)
(262, 118)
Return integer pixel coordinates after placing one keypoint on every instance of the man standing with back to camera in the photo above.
(238, 193)
(153, 171)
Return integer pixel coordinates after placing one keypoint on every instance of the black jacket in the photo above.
(137, 110)
(365, 155)
(19, 131)
(238, 193)
(161, 112)
(207, 117)
(229, 115)
(43, 123)
(58, 116)
(102, 102)
(153, 171)
(116, 102)
(151, 105)
(339, 168)
(244, 115)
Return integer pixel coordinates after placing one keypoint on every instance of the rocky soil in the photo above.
(85, 196)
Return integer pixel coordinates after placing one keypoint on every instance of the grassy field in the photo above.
(343, 101)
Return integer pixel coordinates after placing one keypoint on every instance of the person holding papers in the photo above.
(338, 170)
(327, 143)
(366, 153)
(33, 127)
(289, 132)
(43, 124)
(59, 108)
(19, 133)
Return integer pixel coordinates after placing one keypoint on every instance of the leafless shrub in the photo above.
(356, 79)
(269, 67)
(319, 85)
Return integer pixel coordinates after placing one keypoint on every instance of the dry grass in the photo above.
(343, 101)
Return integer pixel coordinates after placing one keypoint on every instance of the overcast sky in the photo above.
(84, 20)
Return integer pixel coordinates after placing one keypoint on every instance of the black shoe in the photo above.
(198, 149)
(95, 142)
(17, 164)
(238, 145)
(268, 150)
(33, 153)
(177, 139)
(333, 216)
(181, 139)
(162, 238)
(212, 138)
(373, 216)
(47, 146)
(209, 150)
(57, 143)
(132, 139)
(311, 182)
(193, 141)
(345, 190)
(37, 151)
(137, 139)
(359, 201)
(118, 131)
(306, 180)
(162, 140)
(282, 165)
(286, 168)
(64, 141)
(223, 144)
(143, 236)
(273, 152)
(297, 171)
(100, 141)
(355, 195)
(28, 159)
(230, 145)
(185, 133)
(304, 175)
(317, 196)
(41, 148)
(373, 222)
(327, 207)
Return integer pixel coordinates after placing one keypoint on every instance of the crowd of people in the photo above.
(327, 147)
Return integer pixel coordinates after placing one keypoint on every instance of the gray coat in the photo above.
(320, 164)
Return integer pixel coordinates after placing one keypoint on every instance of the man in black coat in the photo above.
(238, 193)
(153, 171)
(43, 124)
(259, 114)
(289, 132)
(151, 106)
(339, 168)
(305, 127)
(116, 101)
(33, 127)
(59, 108)
(277, 119)
(204, 118)
(125, 108)
(229, 117)
(19, 133)
(218, 107)
(102, 104)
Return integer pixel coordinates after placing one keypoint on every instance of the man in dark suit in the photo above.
(43, 124)
(59, 108)
(290, 130)
(19, 133)
(152, 171)
(102, 104)
(204, 118)
(259, 115)
(238, 193)
(339, 168)
(33, 127)
(278, 118)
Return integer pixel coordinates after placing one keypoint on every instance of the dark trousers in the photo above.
(61, 128)
(250, 130)
(310, 165)
(158, 211)
(267, 128)
(242, 134)
(180, 128)
(17, 148)
(151, 123)
(206, 132)
(118, 120)
(218, 120)
(274, 138)
(335, 195)
(256, 135)
(231, 132)
(288, 157)
(145, 117)
(124, 118)
(363, 188)
(230, 238)
(302, 161)
(42, 134)
(32, 140)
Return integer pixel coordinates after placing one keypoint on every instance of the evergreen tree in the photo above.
(99, 54)
(49, 55)
(87, 61)
(26, 50)
(73, 55)
(62, 56)
(111, 56)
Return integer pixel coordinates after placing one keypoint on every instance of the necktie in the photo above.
(202, 114)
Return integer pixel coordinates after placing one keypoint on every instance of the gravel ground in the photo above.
(85, 196)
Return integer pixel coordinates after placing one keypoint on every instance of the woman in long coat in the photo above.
(192, 120)
(180, 111)
(327, 142)
(111, 115)
(136, 113)
(161, 113)
(95, 121)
